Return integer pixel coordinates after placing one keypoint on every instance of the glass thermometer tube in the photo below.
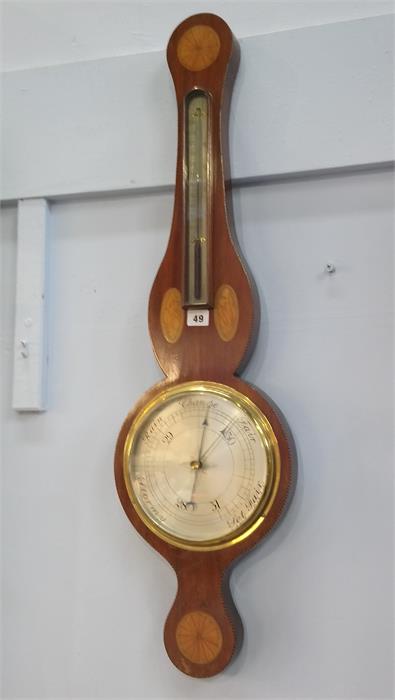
(196, 189)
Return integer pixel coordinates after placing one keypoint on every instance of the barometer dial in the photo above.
(201, 463)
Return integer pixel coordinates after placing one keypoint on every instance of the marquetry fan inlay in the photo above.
(198, 47)
(199, 637)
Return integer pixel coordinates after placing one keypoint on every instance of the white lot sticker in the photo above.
(198, 317)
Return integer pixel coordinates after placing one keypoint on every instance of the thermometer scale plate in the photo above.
(196, 195)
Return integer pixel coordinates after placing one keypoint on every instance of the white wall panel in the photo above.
(47, 33)
(85, 598)
(308, 99)
(82, 609)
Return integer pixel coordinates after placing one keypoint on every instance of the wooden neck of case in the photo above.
(202, 270)
(200, 54)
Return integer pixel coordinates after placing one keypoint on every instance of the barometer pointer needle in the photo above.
(198, 463)
(205, 424)
(218, 439)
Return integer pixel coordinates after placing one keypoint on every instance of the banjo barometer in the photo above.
(202, 463)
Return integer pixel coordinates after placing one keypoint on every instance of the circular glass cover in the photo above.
(201, 464)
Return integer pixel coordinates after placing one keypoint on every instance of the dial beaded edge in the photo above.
(263, 509)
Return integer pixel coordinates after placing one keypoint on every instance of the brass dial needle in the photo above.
(197, 465)
(218, 439)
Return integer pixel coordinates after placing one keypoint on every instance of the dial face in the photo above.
(201, 465)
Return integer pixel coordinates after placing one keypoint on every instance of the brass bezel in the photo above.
(270, 445)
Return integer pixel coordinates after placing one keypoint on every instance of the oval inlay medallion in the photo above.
(171, 315)
(226, 312)
(198, 47)
(199, 637)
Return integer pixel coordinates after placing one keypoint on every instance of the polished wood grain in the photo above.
(203, 630)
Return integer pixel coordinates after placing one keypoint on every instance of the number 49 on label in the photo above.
(198, 317)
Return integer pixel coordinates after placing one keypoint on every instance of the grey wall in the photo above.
(84, 597)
